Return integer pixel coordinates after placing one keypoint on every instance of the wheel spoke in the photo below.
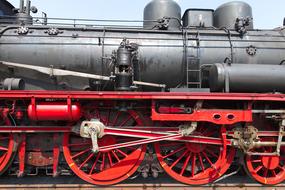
(108, 118)
(256, 161)
(86, 160)
(193, 165)
(116, 118)
(174, 152)
(258, 169)
(80, 153)
(95, 163)
(116, 156)
(212, 153)
(178, 160)
(110, 159)
(273, 173)
(185, 164)
(265, 172)
(201, 162)
(207, 158)
(125, 121)
(121, 152)
(103, 162)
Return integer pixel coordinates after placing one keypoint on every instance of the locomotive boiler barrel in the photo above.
(247, 78)
(162, 55)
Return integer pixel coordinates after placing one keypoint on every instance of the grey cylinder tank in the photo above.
(247, 78)
(158, 9)
(198, 18)
(226, 14)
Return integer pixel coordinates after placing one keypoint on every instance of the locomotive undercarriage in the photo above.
(108, 137)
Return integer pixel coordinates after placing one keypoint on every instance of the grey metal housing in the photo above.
(159, 9)
(247, 78)
(226, 14)
(198, 18)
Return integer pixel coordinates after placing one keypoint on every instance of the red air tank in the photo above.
(54, 111)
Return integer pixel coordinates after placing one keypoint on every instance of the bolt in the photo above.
(155, 174)
(145, 175)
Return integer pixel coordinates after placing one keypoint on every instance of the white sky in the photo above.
(267, 13)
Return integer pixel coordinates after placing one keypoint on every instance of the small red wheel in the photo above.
(109, 167)
(269, 170)
(195, 164)
(7, 148)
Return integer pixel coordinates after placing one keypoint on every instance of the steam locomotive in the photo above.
(180, 94)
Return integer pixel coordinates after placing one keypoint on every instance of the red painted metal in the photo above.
(220, 117)
(35, 129)
(140, 95)
(54, 111)
(268, 170)
(22, 156)
(56, 153)
(7, 147)
(195, 163)
(105, 167)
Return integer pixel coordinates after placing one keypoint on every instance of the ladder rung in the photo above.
(193, 70)
(198, 83)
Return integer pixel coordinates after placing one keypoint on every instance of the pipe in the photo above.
(21, 8)
(28, 7)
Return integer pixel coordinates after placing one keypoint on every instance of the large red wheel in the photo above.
(109, 167)
(269, 170)
(7, 147)
(195, 164)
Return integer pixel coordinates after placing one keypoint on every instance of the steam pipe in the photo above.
(28, 7)
(21, 8)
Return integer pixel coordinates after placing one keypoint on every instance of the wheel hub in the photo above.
(270, 162)
(196, 148)
(106, 141)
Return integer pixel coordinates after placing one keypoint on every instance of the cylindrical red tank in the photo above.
(54, 111)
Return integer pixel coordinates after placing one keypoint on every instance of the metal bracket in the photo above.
(186, 130)
(280, 137)
(53, 31)
(93, 129)
(22, 30)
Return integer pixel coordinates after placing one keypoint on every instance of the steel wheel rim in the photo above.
(109, 167)
(182, 168)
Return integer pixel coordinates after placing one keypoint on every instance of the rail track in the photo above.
(70, 182)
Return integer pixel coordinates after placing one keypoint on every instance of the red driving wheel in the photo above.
(7, 147)
(195, 164)
(269, 170)
(109, 167)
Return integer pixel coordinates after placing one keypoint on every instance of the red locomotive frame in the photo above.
(194, 135)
